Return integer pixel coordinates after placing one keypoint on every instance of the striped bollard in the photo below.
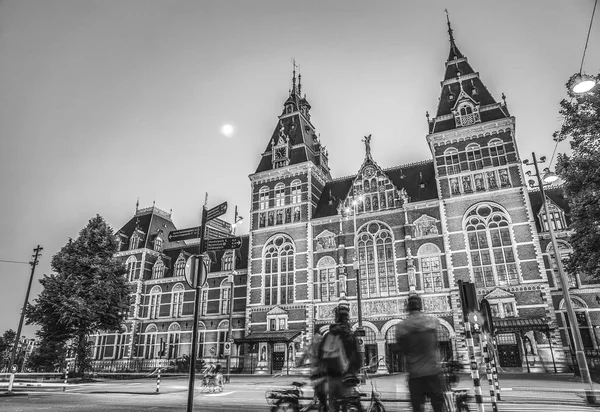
(488, 370)
(158, 381)
(495, 369)
(66, 378)
(474, 369)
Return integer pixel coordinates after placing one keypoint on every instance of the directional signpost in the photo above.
(211, 245)
(184, 234)
(216, 212)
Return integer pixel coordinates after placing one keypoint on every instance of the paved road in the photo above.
(247, 394)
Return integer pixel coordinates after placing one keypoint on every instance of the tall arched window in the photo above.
(204, 300)
(296, 190)
(452, 161)
(134, 242)
(158, 270)
(326, 285)
(431, 268)
(223, 331)
(177, 300)
(225, 296)
(279, 270)
(180, 266)
(564, 250)
(474, 158)
(491, 246)
(131, 264)
(556, 217)
(154, 302)
(150, 342)
(263, 198)
(376, 258)
(497, 152)
(279, 194)
(173, 340)
(227, 260)
(158, 244)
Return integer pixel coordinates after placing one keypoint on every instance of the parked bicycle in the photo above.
(352, 403)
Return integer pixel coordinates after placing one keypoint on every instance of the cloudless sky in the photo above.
(102, 102)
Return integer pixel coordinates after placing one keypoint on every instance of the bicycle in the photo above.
(352, 402)
(288, 400)
(211, 383)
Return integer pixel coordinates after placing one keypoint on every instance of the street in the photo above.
(248, 394)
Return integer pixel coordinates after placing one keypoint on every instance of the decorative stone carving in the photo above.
(436, 304)
(325, 240)
(425, 226)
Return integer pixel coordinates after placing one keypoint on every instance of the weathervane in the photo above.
(367, 141)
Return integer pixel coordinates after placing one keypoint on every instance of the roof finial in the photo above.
(137, 204)
(427, 116)
(367, 141)
(299, 82)
(294, 75)
(504, 98)
(450, 32)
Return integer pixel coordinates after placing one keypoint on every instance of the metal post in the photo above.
(194, 355)
(579, 353)
(229, 337)
(551, 350)
(13, 353)
(474, 369)
(158, 381)
(356, 265)
(494, 351)
(488, 371)
(66, 377)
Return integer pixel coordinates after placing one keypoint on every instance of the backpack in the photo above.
(333, 355)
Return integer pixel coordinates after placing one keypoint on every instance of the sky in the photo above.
(105, 102)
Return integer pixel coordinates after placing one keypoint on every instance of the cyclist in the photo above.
(317, 374)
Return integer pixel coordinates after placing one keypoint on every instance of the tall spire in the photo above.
(299, 83)
(294, 90)
(450, 32)
(454, 52)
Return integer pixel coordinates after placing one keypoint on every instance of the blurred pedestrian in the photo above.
(317, 375)
(418, 341)
(339, 357)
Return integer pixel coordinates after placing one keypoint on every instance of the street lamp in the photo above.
(579, 352)
(582, 83)
(230, 278)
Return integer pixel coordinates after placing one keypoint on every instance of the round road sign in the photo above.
(196, 273)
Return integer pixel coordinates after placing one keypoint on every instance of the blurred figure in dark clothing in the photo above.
(339, 381)
(317, 374)
(418, 340)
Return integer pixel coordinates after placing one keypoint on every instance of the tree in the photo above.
(7, 340)
(87, 294)
(581, 174)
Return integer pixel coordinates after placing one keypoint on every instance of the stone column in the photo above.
(382, 355)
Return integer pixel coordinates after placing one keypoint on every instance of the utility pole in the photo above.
(13, 354)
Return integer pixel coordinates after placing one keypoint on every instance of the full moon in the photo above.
(227, 130)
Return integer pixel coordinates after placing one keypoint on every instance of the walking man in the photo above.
(417, 338)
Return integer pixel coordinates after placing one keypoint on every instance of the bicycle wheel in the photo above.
(284, 406)
(377, 407)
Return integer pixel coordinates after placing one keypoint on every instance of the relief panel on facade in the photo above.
(325, 241)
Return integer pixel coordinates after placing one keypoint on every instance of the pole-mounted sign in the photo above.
(216, 211)
(184, 234)
(211, 245)
(196, 271)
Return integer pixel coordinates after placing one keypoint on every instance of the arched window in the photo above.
(154, 302)
(491, 246)
(452, 161)
(177, 301)
(150, 342)
(222, 332)
(134, 242)
(158, 244)
(565, 251)
(497, 152)
(376, 258)
(131, 266)
(201, 339)
(279, 195)
(431, 268)
(173, 340)
(279, 270)
(158, 270)
(180, 266)
(326, 284)
(225, 296)
(296, 189)
(556, 217)
(466, 114)
(263, 198)
(227, 260)
(474, 159)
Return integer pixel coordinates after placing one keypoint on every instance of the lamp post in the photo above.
(237, 219)
(582, 83)
(550, 177)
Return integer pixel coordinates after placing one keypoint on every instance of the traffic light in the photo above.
(468, 297)
(486, 312)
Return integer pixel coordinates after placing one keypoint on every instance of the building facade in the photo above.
(465, 214)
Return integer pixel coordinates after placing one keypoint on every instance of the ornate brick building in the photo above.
(465, 214)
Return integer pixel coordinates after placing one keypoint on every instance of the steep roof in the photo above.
(149, 223)
(556, 195)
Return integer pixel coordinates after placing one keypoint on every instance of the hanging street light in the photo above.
(583, 83)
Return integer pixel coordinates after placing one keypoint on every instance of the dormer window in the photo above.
(158, 271)
(134, 242)
(466, 114)
(557, 218)
(289, 108)
(158, 244)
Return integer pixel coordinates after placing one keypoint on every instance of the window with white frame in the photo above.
(296, 190)
(474, 159)
(431, 268)
(279, 195)
(491, 246)
(277, 322)
(263, 198)
(173, 339)
(497, 152)
(376, 260)
(279, 270)
(158, 270)
(204, 300)
(134, 242)
(180, 266)
(222, 337)
(556, 217)
(225, 296)
(158, 244)
(227, 260)
(326, 284)
(177, 300)
(201, 339)
(150, 342)
(503, 307)
(564, 250)
(131, 266)
(452, 161)
(154, 302)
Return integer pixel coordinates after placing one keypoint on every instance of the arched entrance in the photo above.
(396, 360)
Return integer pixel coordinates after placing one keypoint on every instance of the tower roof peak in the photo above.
(454, 52)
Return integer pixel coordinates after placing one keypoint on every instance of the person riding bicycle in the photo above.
(317, 374)
(417, 339)
(338, 356)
